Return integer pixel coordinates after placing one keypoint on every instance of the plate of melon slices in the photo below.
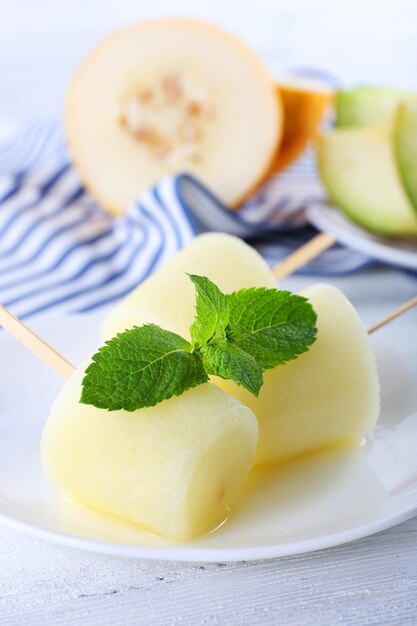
(367, 164)
(324, 455)
(398, 251)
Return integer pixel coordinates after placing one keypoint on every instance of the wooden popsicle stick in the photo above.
(393, 315)
(303, 255)
(35, 344)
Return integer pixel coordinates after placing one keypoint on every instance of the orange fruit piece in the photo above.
(305, 104)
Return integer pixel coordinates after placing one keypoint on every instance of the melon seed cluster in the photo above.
(169, 118)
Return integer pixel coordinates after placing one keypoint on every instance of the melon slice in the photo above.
(167, 96)
(359, 170)
(405, 142)
(173, 468)
(373, 107)
(329, 395)
(305, 103)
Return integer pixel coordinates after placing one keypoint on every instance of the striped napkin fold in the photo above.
(60, 251)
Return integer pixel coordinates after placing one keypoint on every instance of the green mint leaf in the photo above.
(139, 368)
(212, 311)
(272, 326)
(228, 361)
(236, 337)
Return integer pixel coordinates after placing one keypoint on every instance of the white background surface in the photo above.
(42, 41)
(373, 581)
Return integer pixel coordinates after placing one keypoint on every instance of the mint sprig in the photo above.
(212, 311)
(228, 361)
(236, 337)
(272, 326)
(141, 367)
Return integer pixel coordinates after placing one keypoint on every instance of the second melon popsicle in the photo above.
(327, 396)
(167, 298)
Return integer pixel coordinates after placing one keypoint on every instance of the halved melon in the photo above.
(166, 96)
(305, 103)
(359, 170)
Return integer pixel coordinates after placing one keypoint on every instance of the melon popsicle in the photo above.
(173, 468)
(329, 395)
(167, 298)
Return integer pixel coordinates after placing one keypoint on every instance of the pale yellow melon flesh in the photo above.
(230, 150)
(359, 170)
(173, 468)
(328, 395)
(167, 298)
(370, 106)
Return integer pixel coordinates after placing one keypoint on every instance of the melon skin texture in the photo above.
(172, 469)
(237, 144)
(405, 142)
(372, 107)
(359, 170)
(327, 396)
(167, 298)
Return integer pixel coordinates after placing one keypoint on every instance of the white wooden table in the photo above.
(372, 581)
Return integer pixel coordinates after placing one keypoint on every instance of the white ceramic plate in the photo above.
(326, 500)
(329, 219)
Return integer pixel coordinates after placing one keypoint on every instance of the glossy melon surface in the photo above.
(329, 395)
(167, 298)
(173, 468)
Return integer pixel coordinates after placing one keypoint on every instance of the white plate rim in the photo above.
(210, 555)
(367, 243)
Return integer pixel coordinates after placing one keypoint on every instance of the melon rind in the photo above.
(405, 145)
(305, 106)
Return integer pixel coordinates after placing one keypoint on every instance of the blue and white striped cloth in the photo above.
(60, 251)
